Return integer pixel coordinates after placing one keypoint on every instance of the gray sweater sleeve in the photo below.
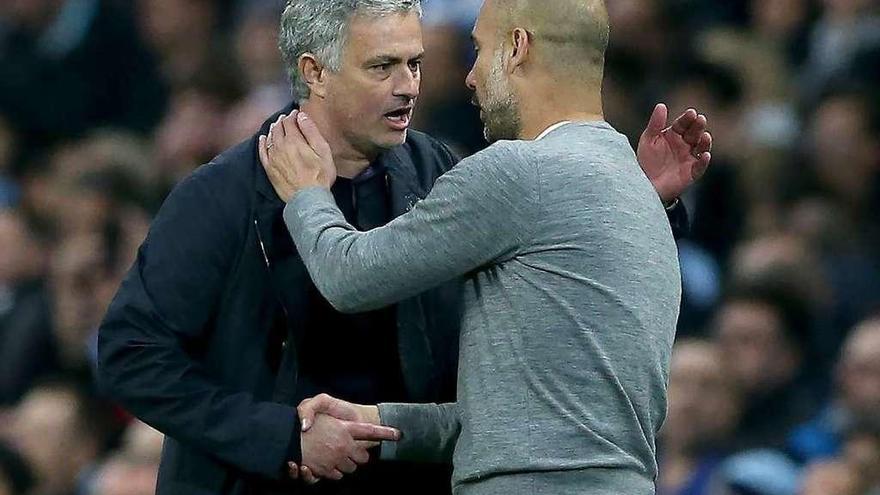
(479, 212)
(428, 431)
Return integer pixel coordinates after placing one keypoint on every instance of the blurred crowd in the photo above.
(775, 380)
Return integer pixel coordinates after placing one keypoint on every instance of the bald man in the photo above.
(571, 275)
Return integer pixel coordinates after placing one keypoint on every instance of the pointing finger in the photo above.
(367, 431)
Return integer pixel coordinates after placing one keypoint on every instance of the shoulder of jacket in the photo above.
(422, 144)
(229, 173)
(224, 187)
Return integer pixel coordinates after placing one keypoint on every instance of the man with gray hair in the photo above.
(569, 269)
(217, 331)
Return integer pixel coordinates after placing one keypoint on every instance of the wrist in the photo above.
(306, 185)
(294, 191)
(370, 414)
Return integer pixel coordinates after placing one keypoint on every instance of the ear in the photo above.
(313, 74)
(520, 44)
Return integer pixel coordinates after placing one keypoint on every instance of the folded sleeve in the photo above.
(428, 431)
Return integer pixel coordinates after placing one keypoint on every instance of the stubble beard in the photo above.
(501, 115)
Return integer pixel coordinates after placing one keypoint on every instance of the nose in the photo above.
(407, 84)
(471, 80)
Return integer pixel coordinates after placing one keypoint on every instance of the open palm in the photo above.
(675, 156)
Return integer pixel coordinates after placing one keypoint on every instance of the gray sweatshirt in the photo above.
(571, 287)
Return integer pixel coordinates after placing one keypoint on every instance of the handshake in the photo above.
(335, 437)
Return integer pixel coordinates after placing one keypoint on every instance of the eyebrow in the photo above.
(390, 59)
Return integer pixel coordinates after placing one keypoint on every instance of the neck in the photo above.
(546, 103)
(350, 161)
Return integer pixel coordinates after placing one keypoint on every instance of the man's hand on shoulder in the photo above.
(296, 156)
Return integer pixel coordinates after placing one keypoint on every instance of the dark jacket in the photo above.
(208, 317)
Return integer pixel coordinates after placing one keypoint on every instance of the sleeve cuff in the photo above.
(269, 430)
(294, 447)
(678, 219)
(388, 417)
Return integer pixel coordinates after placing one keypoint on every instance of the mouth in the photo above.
(399, 119)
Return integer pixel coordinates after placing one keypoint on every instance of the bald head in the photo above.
(538, 62)
(569, 35)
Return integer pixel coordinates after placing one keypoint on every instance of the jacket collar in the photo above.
(404, 186)
(403, 183)
(263, 186)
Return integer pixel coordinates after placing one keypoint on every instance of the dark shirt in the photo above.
(354, 356)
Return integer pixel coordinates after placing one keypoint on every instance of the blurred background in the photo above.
(775, 382)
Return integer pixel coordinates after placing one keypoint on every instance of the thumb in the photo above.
(307, 411)
(324, 404)
(658, 121)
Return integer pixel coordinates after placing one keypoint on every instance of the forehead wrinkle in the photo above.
(376, 38)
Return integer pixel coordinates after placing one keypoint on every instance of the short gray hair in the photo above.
(320, 27)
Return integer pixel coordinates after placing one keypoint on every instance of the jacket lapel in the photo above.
(403, 181)
(287, 276)
(417, 360)
(288, 283)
